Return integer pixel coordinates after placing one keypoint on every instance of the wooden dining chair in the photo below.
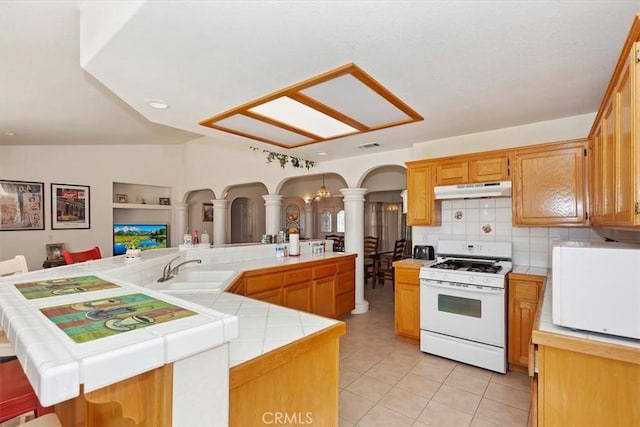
(369, 255)
(386, 260)
(74, 257)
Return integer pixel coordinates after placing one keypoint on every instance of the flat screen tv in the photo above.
(148, 236)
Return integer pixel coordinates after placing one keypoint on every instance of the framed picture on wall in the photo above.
(70, 207)
(207, 212)
(54, 251)
(21, 205)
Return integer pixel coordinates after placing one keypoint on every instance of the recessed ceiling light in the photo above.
(322, 153)
(155, 103)
(10, 133)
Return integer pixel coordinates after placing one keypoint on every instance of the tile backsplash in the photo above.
(491, 219)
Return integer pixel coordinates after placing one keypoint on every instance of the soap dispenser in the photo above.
(195, 237)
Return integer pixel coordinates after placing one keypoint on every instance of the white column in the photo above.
(273, 213)
(354, 239)
(180, 222)
(308, 220)
(220, 221)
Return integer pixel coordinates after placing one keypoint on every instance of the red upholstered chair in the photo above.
(74, 257)
(16, 395)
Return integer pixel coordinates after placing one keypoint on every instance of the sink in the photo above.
(192, 280)
(196, 287)
(193, 275)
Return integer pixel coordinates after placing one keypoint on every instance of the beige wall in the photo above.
(201, 165)
(95, 166)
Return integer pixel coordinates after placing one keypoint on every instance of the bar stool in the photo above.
(16, 395)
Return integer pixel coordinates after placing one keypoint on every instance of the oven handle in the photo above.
(483, 289)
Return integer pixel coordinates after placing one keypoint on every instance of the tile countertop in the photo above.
(547, 333)
(56, 365)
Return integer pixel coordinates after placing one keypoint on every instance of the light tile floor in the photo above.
(387, 381)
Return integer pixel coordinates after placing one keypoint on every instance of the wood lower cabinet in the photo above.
(580, 389)
(299, 297)
(325, 287)
(524, 292)
(297, 383)
(345, 288)
(549, 184)
(407, 299)
(422, 208)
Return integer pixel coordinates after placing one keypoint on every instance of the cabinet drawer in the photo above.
(346, 266)
(526, 291)
(297, 276)
(407, 275)
(325, 271)
(263, 283)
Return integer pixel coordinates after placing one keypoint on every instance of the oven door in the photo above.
(463, 312)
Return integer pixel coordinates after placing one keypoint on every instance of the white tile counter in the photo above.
(56, 365)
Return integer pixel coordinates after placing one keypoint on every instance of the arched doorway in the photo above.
(242, 221)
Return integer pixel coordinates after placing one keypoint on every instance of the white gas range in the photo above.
(463, 303)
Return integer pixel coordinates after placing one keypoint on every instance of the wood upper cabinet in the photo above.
(489, 169)
(407, 300)
(615, 142)
(452, 172)
(472, 168)
(422, 209)
(524, 291)
(549, 184)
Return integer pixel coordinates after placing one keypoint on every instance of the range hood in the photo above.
(473, 191)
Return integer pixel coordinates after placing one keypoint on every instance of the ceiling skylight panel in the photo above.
(260, 130)
(293, 113)
(355, 99)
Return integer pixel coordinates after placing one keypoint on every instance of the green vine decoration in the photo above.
(283, 159)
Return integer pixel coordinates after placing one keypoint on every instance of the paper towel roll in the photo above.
(294, 244)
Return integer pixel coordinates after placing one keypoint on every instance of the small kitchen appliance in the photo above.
(463, 303)
(596, 287)
(424, 252)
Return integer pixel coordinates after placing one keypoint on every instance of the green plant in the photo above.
(132, 244)
(283, 159)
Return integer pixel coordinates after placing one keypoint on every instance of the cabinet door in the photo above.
(452, 173)
(625, 159)
(273, 296)
(493, 169)
(550, 185)
(324, 297)
(523, 302)
(421, 209)
(299, 297)
(608, 164)
(407, 310)
(596, 179)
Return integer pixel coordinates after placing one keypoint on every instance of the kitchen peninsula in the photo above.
(272, 350)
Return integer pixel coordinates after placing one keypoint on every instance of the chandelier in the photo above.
(323, 192)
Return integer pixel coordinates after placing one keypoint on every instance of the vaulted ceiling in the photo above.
(464, 66)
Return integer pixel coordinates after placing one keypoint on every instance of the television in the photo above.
(148, 236)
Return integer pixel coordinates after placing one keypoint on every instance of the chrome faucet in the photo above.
(168, 271)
